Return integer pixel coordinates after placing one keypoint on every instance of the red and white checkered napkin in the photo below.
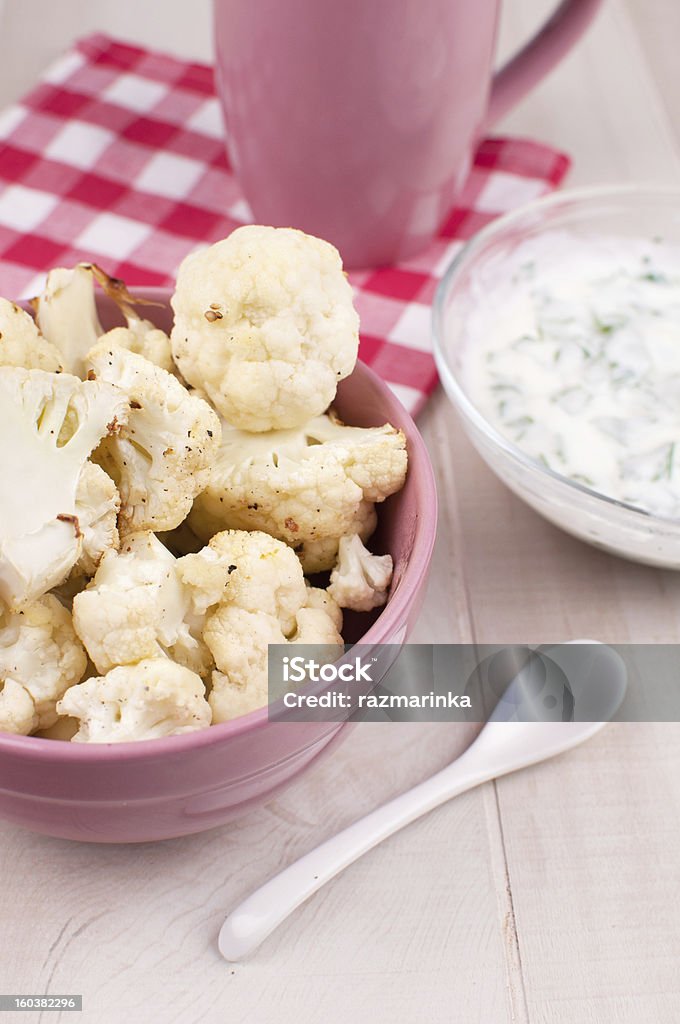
(117, 156)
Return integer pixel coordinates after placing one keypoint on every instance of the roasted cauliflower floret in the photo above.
(308, 486)
(40, 657)
(325, 602)
(138, 607)
(49, 425)
(239, 642)
(161, 457)
(204, 576)
(17, 710)
(145, 701)
(22, 344)
(321, 553)
(264, 324)
(360, 580)
(142, 338)
(264, 575)
(97, 508)
(266, 602)
(66, 313)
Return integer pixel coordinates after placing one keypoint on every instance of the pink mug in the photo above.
(356, 120)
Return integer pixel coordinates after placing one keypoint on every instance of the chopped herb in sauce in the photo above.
(577, 361)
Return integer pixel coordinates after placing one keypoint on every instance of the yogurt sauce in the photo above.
(576, 359)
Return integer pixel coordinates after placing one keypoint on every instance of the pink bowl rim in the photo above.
(36, 748)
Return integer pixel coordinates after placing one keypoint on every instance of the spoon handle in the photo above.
(259, 914)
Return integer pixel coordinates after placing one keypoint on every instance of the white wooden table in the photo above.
(551, 896)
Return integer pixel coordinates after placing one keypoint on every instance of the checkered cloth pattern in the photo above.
(117, 157)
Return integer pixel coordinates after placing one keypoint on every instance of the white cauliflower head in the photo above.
(308, 486)
(145, 340)
(145, 603)
(239, 642)
(97, 508)
(265, 325)
(360, 580)
(325, 602)
(67, 314)
(40, 657)
(139, 335)
(137, 607)
(267, 601)
(264, 575)
(22, 344)
(161, 456)
(146, 701)
(49, 425)
(17, 710)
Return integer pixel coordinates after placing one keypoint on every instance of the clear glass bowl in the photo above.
(622, 211)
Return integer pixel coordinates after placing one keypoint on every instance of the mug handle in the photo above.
(537, 57)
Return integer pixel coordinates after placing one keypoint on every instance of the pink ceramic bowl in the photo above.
(158, 789)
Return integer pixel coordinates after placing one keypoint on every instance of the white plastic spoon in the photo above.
(502, 746)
